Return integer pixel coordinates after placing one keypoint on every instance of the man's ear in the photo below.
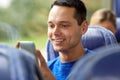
(84, 26)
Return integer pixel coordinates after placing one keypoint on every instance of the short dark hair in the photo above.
(81, 12)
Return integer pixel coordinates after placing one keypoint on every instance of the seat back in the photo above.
(102, 64)
(51, 53)
(95, 37)
(17, 64)
(117, 34)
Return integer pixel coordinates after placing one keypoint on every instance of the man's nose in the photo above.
(56, 31)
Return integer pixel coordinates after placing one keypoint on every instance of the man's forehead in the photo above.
(61, 12)
(58, 8)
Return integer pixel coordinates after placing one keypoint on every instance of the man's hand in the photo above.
(47, 75)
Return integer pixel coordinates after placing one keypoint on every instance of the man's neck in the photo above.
(72, 55)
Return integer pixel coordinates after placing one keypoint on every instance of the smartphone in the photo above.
(28, 46)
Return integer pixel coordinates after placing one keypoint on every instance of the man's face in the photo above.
(63, 29)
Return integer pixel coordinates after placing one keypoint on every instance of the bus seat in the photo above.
(4, 70)
(95, 37)
(102, 64)
(118, 30)
(17, 64)
(51, 53)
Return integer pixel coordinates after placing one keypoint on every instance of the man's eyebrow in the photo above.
(64, 22)
(49, 22)
(60, 22)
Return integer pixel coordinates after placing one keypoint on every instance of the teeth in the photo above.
(59, 40)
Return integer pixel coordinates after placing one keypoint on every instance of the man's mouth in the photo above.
(58, 41)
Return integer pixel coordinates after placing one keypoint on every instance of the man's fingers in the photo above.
(41, 59)
(17, 45)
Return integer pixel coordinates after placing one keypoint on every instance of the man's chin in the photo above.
(58, 49)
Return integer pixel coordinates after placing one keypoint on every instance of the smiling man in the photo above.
(66, 25)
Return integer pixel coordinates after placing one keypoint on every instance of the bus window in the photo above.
(116, 7)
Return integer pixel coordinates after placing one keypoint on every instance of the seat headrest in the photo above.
(117, 34)
(102, 64)
(97, 36)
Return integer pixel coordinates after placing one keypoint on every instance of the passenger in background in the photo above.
(105, 18)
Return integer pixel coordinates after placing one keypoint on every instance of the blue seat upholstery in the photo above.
(118, 30)
(51, 53)
(94, 38)
(17, 64)
(4, 68)
(102, 64)
(97, 36)
(115, 7)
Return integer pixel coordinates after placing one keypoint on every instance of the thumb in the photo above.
(18, 45)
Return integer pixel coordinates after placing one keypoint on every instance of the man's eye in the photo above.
(51, 26)
(64, 26)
